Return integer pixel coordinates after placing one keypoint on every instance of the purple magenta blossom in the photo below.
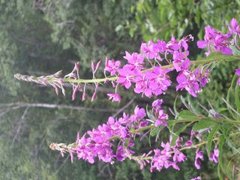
(126, 75)
(237, 72)
(137, 120)
(166, 158)
(179, 46)
(150, 50)
(215, 41)
(214, 156)
(156, 105)
(124, 120)
(161, 116)
(173, 45)
(161, 46)
(193, 82)
(161, 119)
(184, 42)
(135, 59)
(160, 160)
(202, 76)
(234, 27)
(115, 97)
(142, 84)
(159, 81)
(178, 142)
(112, 66)
(181, 61)
(152, 82)
(189, 143)
(178, 156)
(139, 113)
(122, 152)
(198, 158)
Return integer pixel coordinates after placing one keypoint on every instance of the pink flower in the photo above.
(214, 156)
(237, 72)
(234, 27)
(166, 158)
(160, 160)
(193, 82)
(115, 97)
(126, 75)
(178, 156)
(189, 143)
(161, 119)
(161, 46)
(157, 104)
(153, 82)
(134, 59)
(181, 61)
(173, 45)
(151, 50)
(198, 158)
(139, 113)
(215, 40)
(122, 152)
(112, 66)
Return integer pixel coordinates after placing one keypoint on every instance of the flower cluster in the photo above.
(216, 41)
(148, 70)
(149, 77)
(167, 157)
(99, 142)
(193, 81)
(158, 112)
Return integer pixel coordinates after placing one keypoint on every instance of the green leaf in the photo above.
(210, 138)
(237, 97)
(174, 139)
(220, 160)
(149, 114)
(155, 131)
(203, 124)
(186, 115)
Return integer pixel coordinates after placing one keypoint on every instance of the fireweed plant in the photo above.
(147, 73)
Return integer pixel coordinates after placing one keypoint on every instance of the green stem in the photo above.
(114, 78)
(135, 131)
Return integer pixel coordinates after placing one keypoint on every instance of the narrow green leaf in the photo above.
(203, 124)
(210, 138)
(174, 139)
(186, 115)
(155, 131)
(175, 106)
(237, 97)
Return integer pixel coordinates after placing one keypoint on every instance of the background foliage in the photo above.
(42, 36)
